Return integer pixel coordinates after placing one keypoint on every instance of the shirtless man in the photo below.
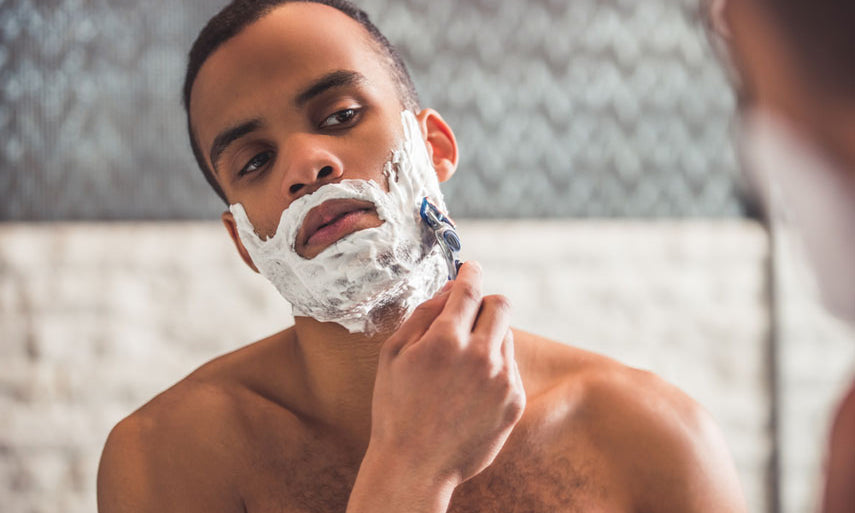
(447, 410)
(795, 65)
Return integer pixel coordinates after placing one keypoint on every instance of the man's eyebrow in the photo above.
(230, 135)
(340, 78)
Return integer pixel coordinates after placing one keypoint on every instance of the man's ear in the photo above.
(231, 227)
(441, 144)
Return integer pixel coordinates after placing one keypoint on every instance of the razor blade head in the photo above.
(433, 216)
(446, 236)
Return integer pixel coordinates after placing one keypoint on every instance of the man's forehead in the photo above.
(285, 49)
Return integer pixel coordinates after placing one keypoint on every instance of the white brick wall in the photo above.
(96, 319)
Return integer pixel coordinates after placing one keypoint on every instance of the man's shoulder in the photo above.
(169, 450)
(550, 367)
(653, 435)
(614, 399)
(595, 382)
(210, 403)
(187, 437)
(193, 401)
(197, 409)
(210, 395)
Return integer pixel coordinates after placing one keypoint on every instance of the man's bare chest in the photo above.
(319, 478)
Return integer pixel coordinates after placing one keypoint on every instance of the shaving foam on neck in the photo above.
(394, 266)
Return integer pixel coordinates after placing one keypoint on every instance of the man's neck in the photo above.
(339, 369)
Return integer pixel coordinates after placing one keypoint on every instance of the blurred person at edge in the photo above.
(793, 67)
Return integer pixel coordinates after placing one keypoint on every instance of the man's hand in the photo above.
(447, 396)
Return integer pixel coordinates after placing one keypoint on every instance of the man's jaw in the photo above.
(331, 221)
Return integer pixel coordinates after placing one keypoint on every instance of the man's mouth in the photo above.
(332, 220)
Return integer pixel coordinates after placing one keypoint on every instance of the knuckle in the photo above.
(391, 347)
(509, 382)
(497, 302)
(515, 408)
(506, 384)
(515, 399)
(497, 367)
(470, 292)
(445, 342)
(445, 330)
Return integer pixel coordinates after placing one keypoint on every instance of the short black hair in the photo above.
(239, 14)
(821, 34)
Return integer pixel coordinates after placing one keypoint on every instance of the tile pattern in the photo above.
(588, 108)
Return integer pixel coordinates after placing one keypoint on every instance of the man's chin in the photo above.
(388, 317)
(383, 320)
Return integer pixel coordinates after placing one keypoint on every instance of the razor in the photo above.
(446, 236)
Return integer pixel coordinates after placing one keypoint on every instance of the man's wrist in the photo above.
(390, 482)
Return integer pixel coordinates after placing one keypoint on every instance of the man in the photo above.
(795, 67)
(304, 120)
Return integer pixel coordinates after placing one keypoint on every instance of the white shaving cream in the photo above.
(397, 265)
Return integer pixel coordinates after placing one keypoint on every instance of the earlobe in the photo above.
(231, 227)
(442, 146)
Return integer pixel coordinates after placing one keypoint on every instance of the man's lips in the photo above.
(332, 220)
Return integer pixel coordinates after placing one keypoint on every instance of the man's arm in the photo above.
(670, 454)
(447, 396)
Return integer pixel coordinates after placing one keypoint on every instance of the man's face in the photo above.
(298, 99)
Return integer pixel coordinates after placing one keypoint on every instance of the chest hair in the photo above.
(519, 481)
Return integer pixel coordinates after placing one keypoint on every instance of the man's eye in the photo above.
(341, 117)
(256, 163)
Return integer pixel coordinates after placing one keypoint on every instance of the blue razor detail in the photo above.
(446, 236)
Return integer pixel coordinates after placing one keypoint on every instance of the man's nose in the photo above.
(309, 167)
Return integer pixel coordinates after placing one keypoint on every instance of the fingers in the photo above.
(422, 317)
(464, 299)
(452, 312)
(494, 321)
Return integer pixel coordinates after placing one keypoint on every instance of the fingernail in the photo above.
(445, 288)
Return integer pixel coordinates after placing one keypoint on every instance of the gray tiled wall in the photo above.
(582, 108)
